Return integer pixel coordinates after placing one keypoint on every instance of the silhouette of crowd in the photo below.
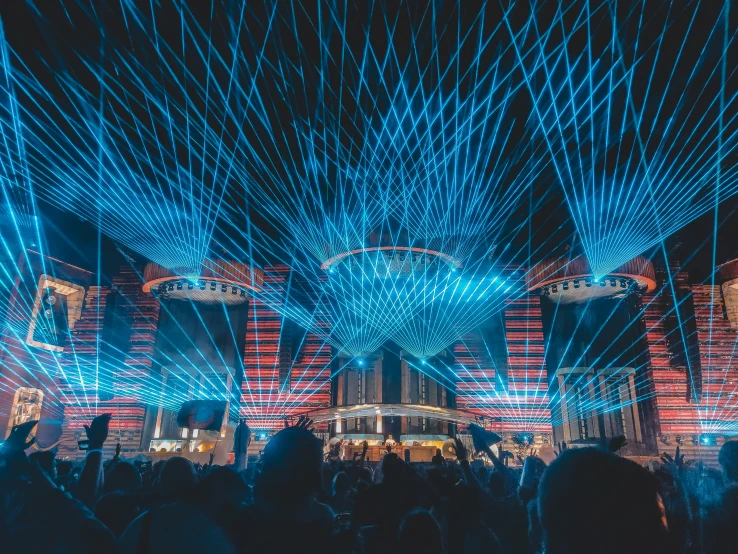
(587, 500)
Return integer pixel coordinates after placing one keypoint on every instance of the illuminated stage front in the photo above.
(392, 410)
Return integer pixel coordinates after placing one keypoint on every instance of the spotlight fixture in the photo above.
(190, 286)
(612, 282)
(555, 289)
(588, 283)
(576, 283)
(212, 286)
(179, 286)
(360, 362)
(234, 290)
(202, 286)
(171, 286)
(602, 283)
(243, 293)
(622, 283)
(566, 285)
(223, 288)
(546, 292)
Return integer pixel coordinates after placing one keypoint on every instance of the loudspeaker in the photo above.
(483, 438)
(202, 414)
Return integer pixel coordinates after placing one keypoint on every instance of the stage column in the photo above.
(405, 391)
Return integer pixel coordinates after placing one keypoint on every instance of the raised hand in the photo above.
(675, 465)
(97, 431)
(117, 451)
(460, 450)
(364, 448)
(305, 423)
(18, 439)
(616, 443)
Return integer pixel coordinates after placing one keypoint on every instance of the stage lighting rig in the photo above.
(171, 285)
(636, 275)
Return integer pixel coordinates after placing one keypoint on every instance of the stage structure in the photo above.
(596, 353)
(200, 339)
(573, 359)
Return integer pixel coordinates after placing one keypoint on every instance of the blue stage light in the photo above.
(630, 184)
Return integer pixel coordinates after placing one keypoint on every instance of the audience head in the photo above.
(419, 533)
(177, 478)
(496, 484)
(292, 466)
(123, 477)
(593, 501)
(222, 487)
(728, 460)
(392, 468)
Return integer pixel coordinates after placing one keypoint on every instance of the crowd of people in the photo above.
(290, 500)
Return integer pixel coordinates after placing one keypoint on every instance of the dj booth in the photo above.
(375, 452)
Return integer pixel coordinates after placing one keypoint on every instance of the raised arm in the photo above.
(462, 455)
(241, 442)
(91, 479)
(364, 448)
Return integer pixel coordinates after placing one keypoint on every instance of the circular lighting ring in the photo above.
(174, 278)
(335, 260)
(643, 282)
(222, 272)
(728, 271)
(551, 272)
